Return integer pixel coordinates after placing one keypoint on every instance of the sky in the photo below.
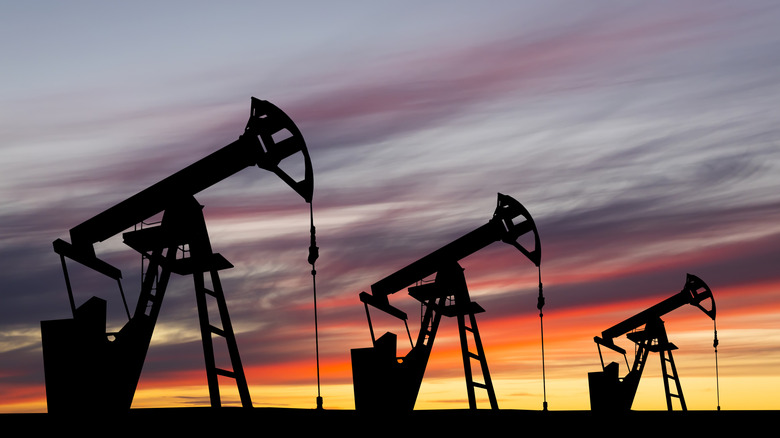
(642, 137)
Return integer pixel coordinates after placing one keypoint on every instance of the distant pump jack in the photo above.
(384, 382)
(610, 393)
(83, 366)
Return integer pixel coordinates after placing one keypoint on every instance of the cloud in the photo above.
(641, 146)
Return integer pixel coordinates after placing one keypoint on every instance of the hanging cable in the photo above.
(313, 255)
(715, 346)
(539, 305)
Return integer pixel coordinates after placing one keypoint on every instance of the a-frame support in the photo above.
(654, 339)
(668, 369)
(451, 285)
(183, 232)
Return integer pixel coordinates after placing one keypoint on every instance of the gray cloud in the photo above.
(630, 139)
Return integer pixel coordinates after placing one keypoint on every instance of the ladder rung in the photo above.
(479, 385)
(217, 331)
(226, 373)
(207, 291)
(475, 356)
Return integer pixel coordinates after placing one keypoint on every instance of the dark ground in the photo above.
(455, 423)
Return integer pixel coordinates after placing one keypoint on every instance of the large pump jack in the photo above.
(608, 392)
(383, 381)
(83, 366)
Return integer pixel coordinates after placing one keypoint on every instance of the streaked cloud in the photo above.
(641, 137)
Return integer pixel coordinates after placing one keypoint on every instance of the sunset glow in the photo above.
(642, 138)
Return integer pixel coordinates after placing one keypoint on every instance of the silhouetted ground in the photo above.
(456, 423)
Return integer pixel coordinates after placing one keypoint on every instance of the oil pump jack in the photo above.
(384, 382)
(83, 366)
(608, 392)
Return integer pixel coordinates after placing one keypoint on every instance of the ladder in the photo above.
(454, 281)
(464, 331)
(671, 374)
(224, 331)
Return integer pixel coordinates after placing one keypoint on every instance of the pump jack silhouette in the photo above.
(610, 393)
(383, 382)
(85, 369)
